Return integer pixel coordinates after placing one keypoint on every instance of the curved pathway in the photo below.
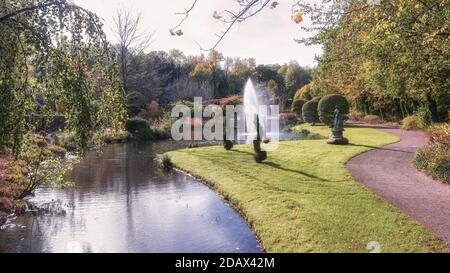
(389, 173)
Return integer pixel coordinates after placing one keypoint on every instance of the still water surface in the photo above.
(123, 202)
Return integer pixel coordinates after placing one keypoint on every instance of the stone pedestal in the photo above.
(337, 138)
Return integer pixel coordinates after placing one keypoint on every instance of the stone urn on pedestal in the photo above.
(337, 131)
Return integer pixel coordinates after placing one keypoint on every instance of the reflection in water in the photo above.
(123, 202)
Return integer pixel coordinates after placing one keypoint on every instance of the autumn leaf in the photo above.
(274, 4)
(216, 15)
(298, 17)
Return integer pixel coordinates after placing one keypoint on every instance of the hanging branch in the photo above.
(231, 18)
(241, 16)
(29, 9)
(186, 15)
(53, 3)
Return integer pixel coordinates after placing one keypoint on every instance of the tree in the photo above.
(279, 92)
(387, 58)
(246, 9)
(55, 50)
(215, 58)
(130, 40)
(294, 77)
(151, 73)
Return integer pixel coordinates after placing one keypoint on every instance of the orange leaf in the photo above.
(298, 17)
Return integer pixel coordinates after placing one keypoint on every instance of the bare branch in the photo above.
(244, 14)
(130, 39)
(186, 15)
(229, 17)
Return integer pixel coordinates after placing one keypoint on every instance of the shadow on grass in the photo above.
(242, 152)
(278, 166)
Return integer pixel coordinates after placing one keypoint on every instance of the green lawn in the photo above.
(303, 199)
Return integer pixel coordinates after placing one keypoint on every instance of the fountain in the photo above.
(255, 105)
(261, 122)
(251, 109)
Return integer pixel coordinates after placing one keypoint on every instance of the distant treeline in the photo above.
(173, 76)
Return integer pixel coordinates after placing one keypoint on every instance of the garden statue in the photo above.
(338, 129)
(259, 155)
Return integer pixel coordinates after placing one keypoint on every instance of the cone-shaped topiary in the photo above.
(297, 106)
(328, 104)
(309, 111)
(227, 144)
(259, 155)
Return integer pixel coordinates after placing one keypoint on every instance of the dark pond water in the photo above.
(123, 202)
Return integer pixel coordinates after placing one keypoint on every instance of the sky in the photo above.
(268, 37)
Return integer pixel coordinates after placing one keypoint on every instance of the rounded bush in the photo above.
(309, 111)
(136, 126)
(440, 134)
(411, 123)
(135, 103)
(328, 104)
(228, 144)
(297, 106)
(434, 160)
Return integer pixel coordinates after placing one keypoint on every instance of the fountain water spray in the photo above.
(256, 105)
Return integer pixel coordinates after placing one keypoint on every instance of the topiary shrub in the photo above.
(297, 106)
(138, 127)
(228, 144)
(309, 112)
(135, 103)
(328, 104)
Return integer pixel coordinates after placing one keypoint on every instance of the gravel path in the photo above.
(389, 173)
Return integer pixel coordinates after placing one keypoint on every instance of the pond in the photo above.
(122, 202)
